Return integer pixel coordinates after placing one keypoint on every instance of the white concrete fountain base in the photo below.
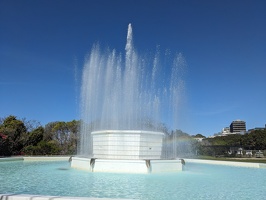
(126, 166)
(127, 144)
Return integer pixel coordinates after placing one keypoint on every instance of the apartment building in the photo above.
(238, 126)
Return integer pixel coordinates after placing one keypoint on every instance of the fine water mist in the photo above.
(129, 91)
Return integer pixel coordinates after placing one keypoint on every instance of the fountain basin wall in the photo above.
(126, 151)
(126, 166)
(127, 144)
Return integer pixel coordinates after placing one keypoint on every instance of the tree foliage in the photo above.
(30, 138)
(12, 129)
(255, 140)
(60, 138)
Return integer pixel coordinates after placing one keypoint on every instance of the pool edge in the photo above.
(35, 158)
(228, 163)
(43, 197)
(4, 159)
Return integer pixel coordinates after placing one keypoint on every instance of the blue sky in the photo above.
(43, 45)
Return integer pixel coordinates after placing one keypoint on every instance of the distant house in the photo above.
(225, 131)
(199, 139)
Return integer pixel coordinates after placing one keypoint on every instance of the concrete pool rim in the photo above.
(187, 160)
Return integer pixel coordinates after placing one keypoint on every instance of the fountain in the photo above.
(123, 101)
(120, 134)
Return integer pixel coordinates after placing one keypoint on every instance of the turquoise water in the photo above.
(198, 181)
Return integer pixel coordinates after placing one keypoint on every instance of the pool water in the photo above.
(198, 181)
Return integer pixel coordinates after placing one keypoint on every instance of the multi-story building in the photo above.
(238, 126)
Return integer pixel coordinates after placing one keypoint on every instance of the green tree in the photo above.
(255, 140)
(65, 134)
(43, 148)
(199, 136)
(35, 136)
(4, 145)
(73, 127)
(48, 134)
(13, 129)
(49, 148)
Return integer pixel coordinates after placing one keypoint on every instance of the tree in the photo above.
(4, 145)
(28, 136)
(65, 134)
(199, 136)
(31, 124)
(13, 129)
(73, 127)
(43, 148)
(48, 134)
(35, 136)
(255, 140)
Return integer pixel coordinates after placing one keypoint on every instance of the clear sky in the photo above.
(43, 44)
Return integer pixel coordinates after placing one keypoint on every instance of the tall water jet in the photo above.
(125, 100)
